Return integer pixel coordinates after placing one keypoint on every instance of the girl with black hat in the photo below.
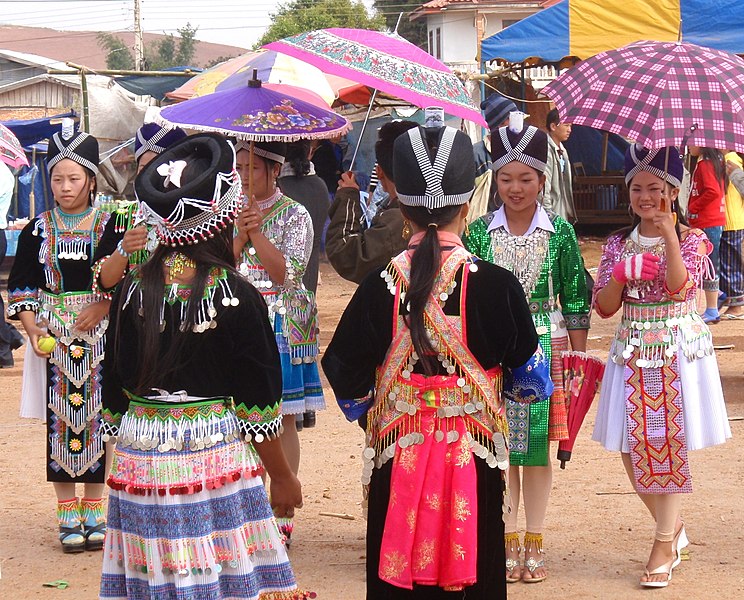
(272, 246)
(192, 391)
(541, 249)
(661, 392)
(49, 290)
(420, 358)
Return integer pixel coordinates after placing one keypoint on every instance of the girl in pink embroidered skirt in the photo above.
(661, 393)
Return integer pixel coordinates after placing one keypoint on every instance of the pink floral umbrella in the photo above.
(11, 151)
(384, 62)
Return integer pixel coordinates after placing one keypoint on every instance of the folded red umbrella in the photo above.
(582, 375)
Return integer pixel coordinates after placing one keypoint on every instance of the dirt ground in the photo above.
(597, 535)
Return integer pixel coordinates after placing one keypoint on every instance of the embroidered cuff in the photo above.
(680, 294)
(531, 382)
(576, 321)
(259, 423)
(22, 299)
(355, 408)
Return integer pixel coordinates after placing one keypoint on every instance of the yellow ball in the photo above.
(47, 343)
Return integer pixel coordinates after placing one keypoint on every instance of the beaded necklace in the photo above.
(640, 243)
(523, 255)
(266, 204)
(72, 221)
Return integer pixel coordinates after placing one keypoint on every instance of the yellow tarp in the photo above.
(599, 26)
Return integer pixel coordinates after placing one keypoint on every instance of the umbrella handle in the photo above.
(364, 127)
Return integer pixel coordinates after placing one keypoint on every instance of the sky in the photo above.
(233, 22)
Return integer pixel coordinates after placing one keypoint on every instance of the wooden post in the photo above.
(605, 143)
(84, 94)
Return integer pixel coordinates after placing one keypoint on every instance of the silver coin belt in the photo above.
(655, 333)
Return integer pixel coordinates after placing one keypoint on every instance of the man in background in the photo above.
(558, 194)
(496, 111)
(354, 247)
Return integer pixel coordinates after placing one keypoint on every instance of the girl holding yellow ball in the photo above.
(49, 291)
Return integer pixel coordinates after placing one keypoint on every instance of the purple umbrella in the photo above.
(657, 93)
(257, 113)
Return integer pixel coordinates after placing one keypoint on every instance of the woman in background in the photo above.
(272, 246)
(541, 249)
(707, 211)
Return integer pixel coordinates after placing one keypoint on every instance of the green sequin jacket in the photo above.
(563, 261)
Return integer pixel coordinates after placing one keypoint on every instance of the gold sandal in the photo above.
(511, 544)
(532, 564)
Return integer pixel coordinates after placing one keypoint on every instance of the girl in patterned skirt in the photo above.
(273, 243)
(661, 392)
(193, 384)
(49, 290)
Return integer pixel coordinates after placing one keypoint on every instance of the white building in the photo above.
(455, 28)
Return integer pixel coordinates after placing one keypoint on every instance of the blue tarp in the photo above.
(155, 86)
(546, 34)
(585, 146)
(34, 130)
(29, 133)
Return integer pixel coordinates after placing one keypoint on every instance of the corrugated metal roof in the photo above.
(32, 59)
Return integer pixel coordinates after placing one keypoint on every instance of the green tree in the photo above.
(413, 31)
(186, 44)
(297, 16)
(171, 50)
(118, 55)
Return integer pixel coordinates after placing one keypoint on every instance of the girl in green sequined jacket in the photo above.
(541, 249)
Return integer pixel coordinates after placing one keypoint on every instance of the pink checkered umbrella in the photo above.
(658, 94)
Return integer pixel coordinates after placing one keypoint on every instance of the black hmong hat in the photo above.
(528, 145)
(191, 191)
(276, 151)
(79, 147)
(434, 174)
(665, 163)
(152, 137)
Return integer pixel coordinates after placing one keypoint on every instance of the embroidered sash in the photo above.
(75, 386)
(655, 427)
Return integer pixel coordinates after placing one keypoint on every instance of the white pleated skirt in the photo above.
(703, 408)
